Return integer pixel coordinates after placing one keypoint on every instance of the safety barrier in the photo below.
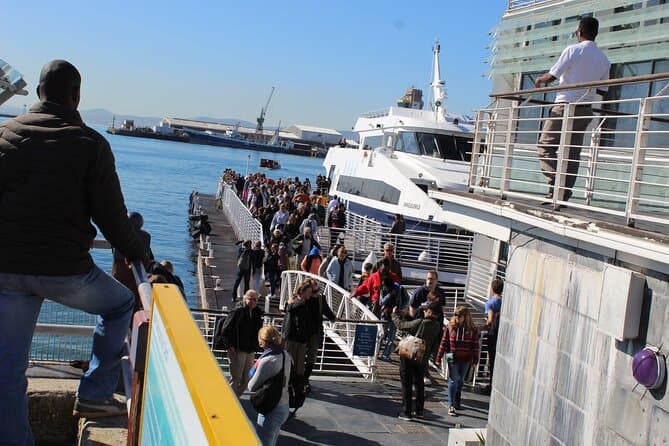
(418, 251)
(245, 226)
(624, 156)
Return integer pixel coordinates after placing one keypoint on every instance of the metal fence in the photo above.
(448, 253)
(624, 156)
(245, 226)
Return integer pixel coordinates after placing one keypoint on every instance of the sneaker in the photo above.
(419, 414)
(98, 409)
(426, 381)
(404, 416)
(452, 412)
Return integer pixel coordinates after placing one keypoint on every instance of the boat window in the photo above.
(449, 147)
(428, 144)
(366, 188)
(372, 142)
(406, 142)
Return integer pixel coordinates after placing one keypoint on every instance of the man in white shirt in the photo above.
(581, 62)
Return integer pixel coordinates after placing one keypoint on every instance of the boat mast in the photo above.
(438, 89)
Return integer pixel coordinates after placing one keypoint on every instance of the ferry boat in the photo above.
(405, 151)
(269, 164)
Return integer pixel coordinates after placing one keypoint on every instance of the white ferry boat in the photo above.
(404, 152)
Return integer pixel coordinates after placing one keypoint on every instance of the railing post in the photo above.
(476, 149)
(508, 153)
(563, 153)
(638, 159)
(595, 141)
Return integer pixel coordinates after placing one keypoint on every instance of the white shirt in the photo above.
(581, 62)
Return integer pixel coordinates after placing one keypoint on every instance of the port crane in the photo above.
(261, 118)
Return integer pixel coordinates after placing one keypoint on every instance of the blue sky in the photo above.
(329, 61)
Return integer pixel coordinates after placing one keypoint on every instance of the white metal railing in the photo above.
(420, 250)
(519, 4)
(245, 226)
(624, 157)
(350, 312)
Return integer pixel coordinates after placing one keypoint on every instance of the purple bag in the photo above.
(649, 367)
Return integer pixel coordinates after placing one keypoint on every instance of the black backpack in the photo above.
(268, 395)
(219, 341)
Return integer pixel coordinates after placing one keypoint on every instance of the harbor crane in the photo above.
(261, 118)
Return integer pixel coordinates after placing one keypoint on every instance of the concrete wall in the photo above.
(558, 379)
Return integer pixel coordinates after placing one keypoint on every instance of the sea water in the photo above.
(157, 178)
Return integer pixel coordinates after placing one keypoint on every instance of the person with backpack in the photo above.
(257, 257)
(243, 268)
(460, 345)
(392, 295)
(271, 265)
(240, 333)
(296, 333)
(312, 262)
(493, 307)
(412, 370)
(318, 308)
(274, 363)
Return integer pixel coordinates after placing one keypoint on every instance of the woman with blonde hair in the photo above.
(460, 344)
(273, 360)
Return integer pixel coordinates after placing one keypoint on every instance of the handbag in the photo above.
(413, 347)
(268, 395)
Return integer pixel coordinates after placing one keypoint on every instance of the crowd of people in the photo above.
(291, 214)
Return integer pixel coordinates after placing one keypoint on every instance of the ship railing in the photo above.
(624, 156)
(417, 251)
(514, 5)
(244, 225)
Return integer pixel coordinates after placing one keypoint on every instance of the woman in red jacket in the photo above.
(460, 344)
(373, 285)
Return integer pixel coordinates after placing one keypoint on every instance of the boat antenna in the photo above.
(438, 89)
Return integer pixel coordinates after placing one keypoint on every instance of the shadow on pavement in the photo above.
(317, 437)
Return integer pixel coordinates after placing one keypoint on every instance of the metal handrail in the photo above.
(581, 85)
(624, 161)
(342, 332)
(245, 226)
(446, 253)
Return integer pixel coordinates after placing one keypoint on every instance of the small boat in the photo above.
(269, 164)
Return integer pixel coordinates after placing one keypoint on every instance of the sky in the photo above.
(329, 61)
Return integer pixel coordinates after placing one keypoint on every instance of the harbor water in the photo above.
(157, 178)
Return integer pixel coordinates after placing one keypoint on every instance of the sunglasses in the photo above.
(458, 314)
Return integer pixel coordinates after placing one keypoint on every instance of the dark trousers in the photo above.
(241, 274)
(271, 276)
(550, 140)
(492, 352)
(411, 374)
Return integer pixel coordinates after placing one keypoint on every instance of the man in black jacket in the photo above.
(240, 332)
(56, 175)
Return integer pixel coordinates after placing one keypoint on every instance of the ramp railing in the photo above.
(245, 226)
(350, 313)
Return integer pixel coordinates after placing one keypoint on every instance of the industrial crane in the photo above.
(261, 118)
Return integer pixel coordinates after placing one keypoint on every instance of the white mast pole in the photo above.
(438, 89)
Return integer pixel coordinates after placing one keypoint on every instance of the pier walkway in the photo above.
(340, 410)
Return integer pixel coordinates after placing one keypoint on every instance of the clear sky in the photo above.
(329, 60)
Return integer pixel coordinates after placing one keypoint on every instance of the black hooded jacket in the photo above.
(56, 175)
